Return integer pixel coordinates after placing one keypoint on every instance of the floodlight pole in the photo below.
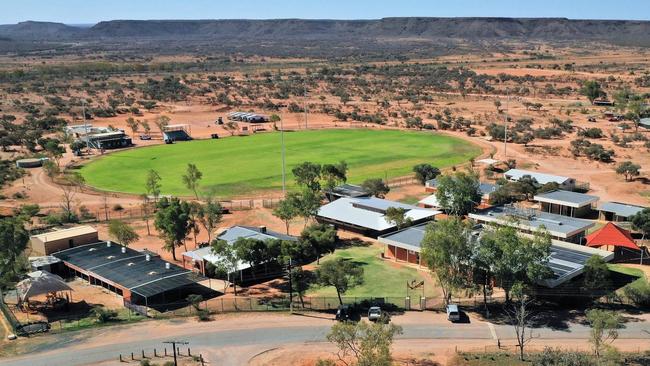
(284, 179)
(83, 112)
(505, 135)
(305, 106)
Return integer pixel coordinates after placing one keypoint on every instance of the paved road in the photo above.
(248, 335)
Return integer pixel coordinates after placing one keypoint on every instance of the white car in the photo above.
(453, 314)
(374, 313)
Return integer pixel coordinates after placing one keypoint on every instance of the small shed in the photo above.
(54, 241)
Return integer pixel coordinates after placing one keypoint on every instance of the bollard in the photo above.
(143, 354)
(178, 350)
(155, 354)
(189, 354)
(121, 358)
(165, 351)
(132, 356)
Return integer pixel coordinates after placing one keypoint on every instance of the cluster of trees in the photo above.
(14, 238)
(583, 147)
(461, 261)
(523, 189)
(458, 193)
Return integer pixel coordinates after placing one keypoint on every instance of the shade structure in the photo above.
(39, 283)
(613, 235)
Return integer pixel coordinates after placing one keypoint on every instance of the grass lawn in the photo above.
(626, 270)
(239, 165)
(382, 278)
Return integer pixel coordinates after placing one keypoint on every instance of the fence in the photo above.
(309, 303)
(9, 315)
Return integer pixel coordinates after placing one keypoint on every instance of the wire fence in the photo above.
(9, 315)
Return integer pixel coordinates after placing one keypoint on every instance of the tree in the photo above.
(367, 344)
(300, 282)
(497, 105)
(334, 174)
(447, 250)
(628, 169)
(144, 206)
(397, 216)
(596, 279)
(70, 184)
(210, 215)
(53, 149)
(132, 124)
(458, 193)
(305, 203)
(252, 251)
(152, 184)
(14, 239)
(520, 315)
(308, 175)
(286, 211)
(231, 127)
(341, 274)
(319, 239)
(122, 232)
(195, 214)
(161, 122)
(145, 127)
(173, 222)
(425, 172)
(604, 329)
(191, 178)
(376, 187)
(514, 258)
(641, 221)
(592, 90)
(227, 261)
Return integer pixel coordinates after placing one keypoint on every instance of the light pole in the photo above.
(284, 179)
(505, 135)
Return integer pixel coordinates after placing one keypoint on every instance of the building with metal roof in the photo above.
(567, 260)
(565, 183)
(57, 240)
(346, 190)
(617, 211)
(366, 215)
(528, 220)
(141, 278)
(198, 259)
(566, 203)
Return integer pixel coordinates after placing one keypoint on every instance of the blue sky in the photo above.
(92, 11)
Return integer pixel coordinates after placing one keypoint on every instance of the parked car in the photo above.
(374, 313)
(214, 136)
(343, 313)
(591, 119)
(453, 313)
(145, 137)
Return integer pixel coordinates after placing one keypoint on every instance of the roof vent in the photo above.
(108, 243)
(92, 249)
(152, 273)
(110, 257)
(168, 265)
(130, 264)
(147, 258)
(123, 250)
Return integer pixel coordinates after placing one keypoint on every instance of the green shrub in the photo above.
(638, 292)
(103, 315)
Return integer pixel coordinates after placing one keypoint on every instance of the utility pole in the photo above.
(290, 284)
(284, 173)
(305, 106)
(174, 343)
(83, 113)
(505, 137)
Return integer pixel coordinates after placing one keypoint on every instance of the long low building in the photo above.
(528, 221)
(567, 260)
(57, 240)
(566, 203)
(367, 215)
(618, 212)
(197, 260)
(566, 183)
(141, 278)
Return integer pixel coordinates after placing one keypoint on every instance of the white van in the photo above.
(453, 314)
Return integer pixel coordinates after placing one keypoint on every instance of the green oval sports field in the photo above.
(242, 165)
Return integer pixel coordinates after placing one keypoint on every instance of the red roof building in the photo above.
(611, 237)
